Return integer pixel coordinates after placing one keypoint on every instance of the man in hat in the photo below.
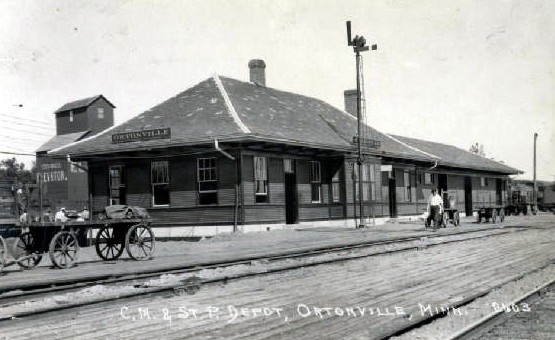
(61, 215)
(435, 208)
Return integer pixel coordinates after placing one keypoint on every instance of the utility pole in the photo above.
(359, 45)
(535, 184)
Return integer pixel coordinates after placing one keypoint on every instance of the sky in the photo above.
(457, 72)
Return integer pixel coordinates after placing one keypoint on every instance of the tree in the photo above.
(14, 177)
(12, 171)
(478, 149)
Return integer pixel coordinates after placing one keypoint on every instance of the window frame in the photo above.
(429, 178)
(113, 188)
(261, 177)
(315, 179)
(407, 186)
(100, 112)
(154, 184)
(207, 174)
(71, 116)
(336, 187)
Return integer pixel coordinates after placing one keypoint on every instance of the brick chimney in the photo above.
(257, 72)
(350, 101)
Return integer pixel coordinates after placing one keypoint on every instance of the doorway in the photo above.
(392, 195)
(291, 199)
(499, 191)
(468, 196)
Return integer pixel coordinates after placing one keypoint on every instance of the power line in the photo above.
(24, 139)
(30, 125)
(26, 119)
(34, 132)
(17, 153)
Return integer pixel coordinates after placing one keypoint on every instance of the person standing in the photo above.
(435, 208)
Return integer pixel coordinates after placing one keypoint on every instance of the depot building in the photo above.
(227, 152)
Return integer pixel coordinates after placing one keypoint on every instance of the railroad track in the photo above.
(501, 320)
(278, 262)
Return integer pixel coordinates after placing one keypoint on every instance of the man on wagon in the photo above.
(435, 208)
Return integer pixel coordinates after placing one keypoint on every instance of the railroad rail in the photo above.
(499, 317)
(191, 285)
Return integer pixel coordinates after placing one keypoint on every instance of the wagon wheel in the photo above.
(63, 249)
(139, 242)
(106, 244)
(445, 219)
(501, 215)
(493, 216)
(3, 252)
(456, 219)
(24, 251)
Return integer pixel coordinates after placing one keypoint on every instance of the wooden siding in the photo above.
(96, 124)
(80, 122)
(183, 199)
(141, 200)
(316, 212)
(183, 177)
(265, 213)
(137, 178)
(208, 215)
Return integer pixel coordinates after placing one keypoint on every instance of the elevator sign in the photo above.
(144, 135)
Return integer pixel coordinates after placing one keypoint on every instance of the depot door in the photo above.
(392, 195)
(468, 196)
(291, 200)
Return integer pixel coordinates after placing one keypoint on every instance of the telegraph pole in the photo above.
(359, 45)
(535, 184)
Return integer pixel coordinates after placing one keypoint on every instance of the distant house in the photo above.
(227, 151)
(65, 184)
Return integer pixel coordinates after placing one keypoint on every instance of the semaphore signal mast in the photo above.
(359, 45)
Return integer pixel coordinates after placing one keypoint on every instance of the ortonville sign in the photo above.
(143, 135)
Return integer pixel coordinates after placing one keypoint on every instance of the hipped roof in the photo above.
(453, 156)
(231, 110)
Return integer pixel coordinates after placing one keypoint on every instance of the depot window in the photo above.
(117, 184)
(261, 179)
(160, 181)
(100, 112)
(429, 178)
(336, 188)
(315, 180)
(407, 186)
(207, 181)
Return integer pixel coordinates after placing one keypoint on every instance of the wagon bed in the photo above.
(61, 240)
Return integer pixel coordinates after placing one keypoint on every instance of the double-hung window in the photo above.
(429, 178)
(407, 186)
(117, 184)
(315, 180)
(368, 180)
(100, 112)
(372, 176)
(261, 179)
(160, 182)
(207, 181)
(336, 188)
